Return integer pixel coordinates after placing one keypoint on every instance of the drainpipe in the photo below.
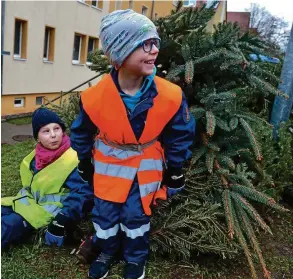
(152, 9)
(2, 38)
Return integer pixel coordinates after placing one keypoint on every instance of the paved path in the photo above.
(9, 130)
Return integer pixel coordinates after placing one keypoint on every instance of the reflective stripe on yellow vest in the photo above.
(42, 196)
(115, 168)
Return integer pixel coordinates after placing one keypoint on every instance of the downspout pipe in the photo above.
(2, 39)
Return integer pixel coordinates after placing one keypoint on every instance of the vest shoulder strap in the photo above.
(25, 173)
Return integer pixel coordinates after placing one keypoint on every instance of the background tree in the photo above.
(272, 29)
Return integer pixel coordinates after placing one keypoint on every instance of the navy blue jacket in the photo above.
(176, 138)
(80, 198)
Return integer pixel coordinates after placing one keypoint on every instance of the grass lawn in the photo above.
(21, 120)
(40, 262)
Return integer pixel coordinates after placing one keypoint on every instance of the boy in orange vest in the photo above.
(145, 133)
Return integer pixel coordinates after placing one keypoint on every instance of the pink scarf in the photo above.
(45, 157)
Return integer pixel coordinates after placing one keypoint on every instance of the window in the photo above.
(130, 4)
(78, 56)
(209, 3)
(20, 39)
(118, 4)
(97, 4)
(144, 10)
(189, 3)
(19, 102)
(39, 100)
(93, 44)
(49, 44)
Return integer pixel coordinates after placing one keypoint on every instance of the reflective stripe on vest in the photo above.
(43, 193)
(116, 168)
(105, 234)
(134, 233)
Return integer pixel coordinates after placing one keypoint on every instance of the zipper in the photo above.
(139, 104)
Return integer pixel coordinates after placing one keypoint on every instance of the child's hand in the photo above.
(173, 178)
(86, 170)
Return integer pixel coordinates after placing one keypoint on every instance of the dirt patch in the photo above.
(22, 138)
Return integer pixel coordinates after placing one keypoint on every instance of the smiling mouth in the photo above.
(150, 62)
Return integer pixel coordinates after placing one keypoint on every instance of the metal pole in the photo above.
(2, 40)
(70, 91)
(282, 107)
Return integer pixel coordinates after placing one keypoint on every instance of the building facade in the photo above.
(242, 18)
(152, 8)
(45, 47)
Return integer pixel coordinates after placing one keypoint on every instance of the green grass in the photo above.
(36, 261)
(21, 120)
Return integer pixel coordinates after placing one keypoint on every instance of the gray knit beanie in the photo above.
(122, 32)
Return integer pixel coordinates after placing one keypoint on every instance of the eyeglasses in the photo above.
(148, 45)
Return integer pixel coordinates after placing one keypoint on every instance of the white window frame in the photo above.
(41, 102)
(79, 51)
(18, 55)
(175, 3)
(144, 8)
(191, 3)
(21, 105)
(48, 44)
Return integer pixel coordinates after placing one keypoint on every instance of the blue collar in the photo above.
(145, 85)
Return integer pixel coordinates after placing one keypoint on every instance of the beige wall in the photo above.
(162, 8)
(33, 75)
(7, 103)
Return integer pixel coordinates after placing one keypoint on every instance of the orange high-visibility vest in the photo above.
(115, 168)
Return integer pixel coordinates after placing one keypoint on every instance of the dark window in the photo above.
(17, 37)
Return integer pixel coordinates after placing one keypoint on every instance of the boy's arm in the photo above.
(177, 139)
(82, 134)
(76, 205)
(79, 202)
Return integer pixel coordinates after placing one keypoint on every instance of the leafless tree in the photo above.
(272, 29)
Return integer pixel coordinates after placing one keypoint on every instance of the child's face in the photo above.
(50, 136)
(141, 62)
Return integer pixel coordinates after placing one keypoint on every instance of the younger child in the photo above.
(53, 193)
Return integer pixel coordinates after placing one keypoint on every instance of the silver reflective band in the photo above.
(51, 198)
(52, 209)
(134, 233)
(146, 189)
(115, 170)
(105, 234)
(24, 201)
(150, 164)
